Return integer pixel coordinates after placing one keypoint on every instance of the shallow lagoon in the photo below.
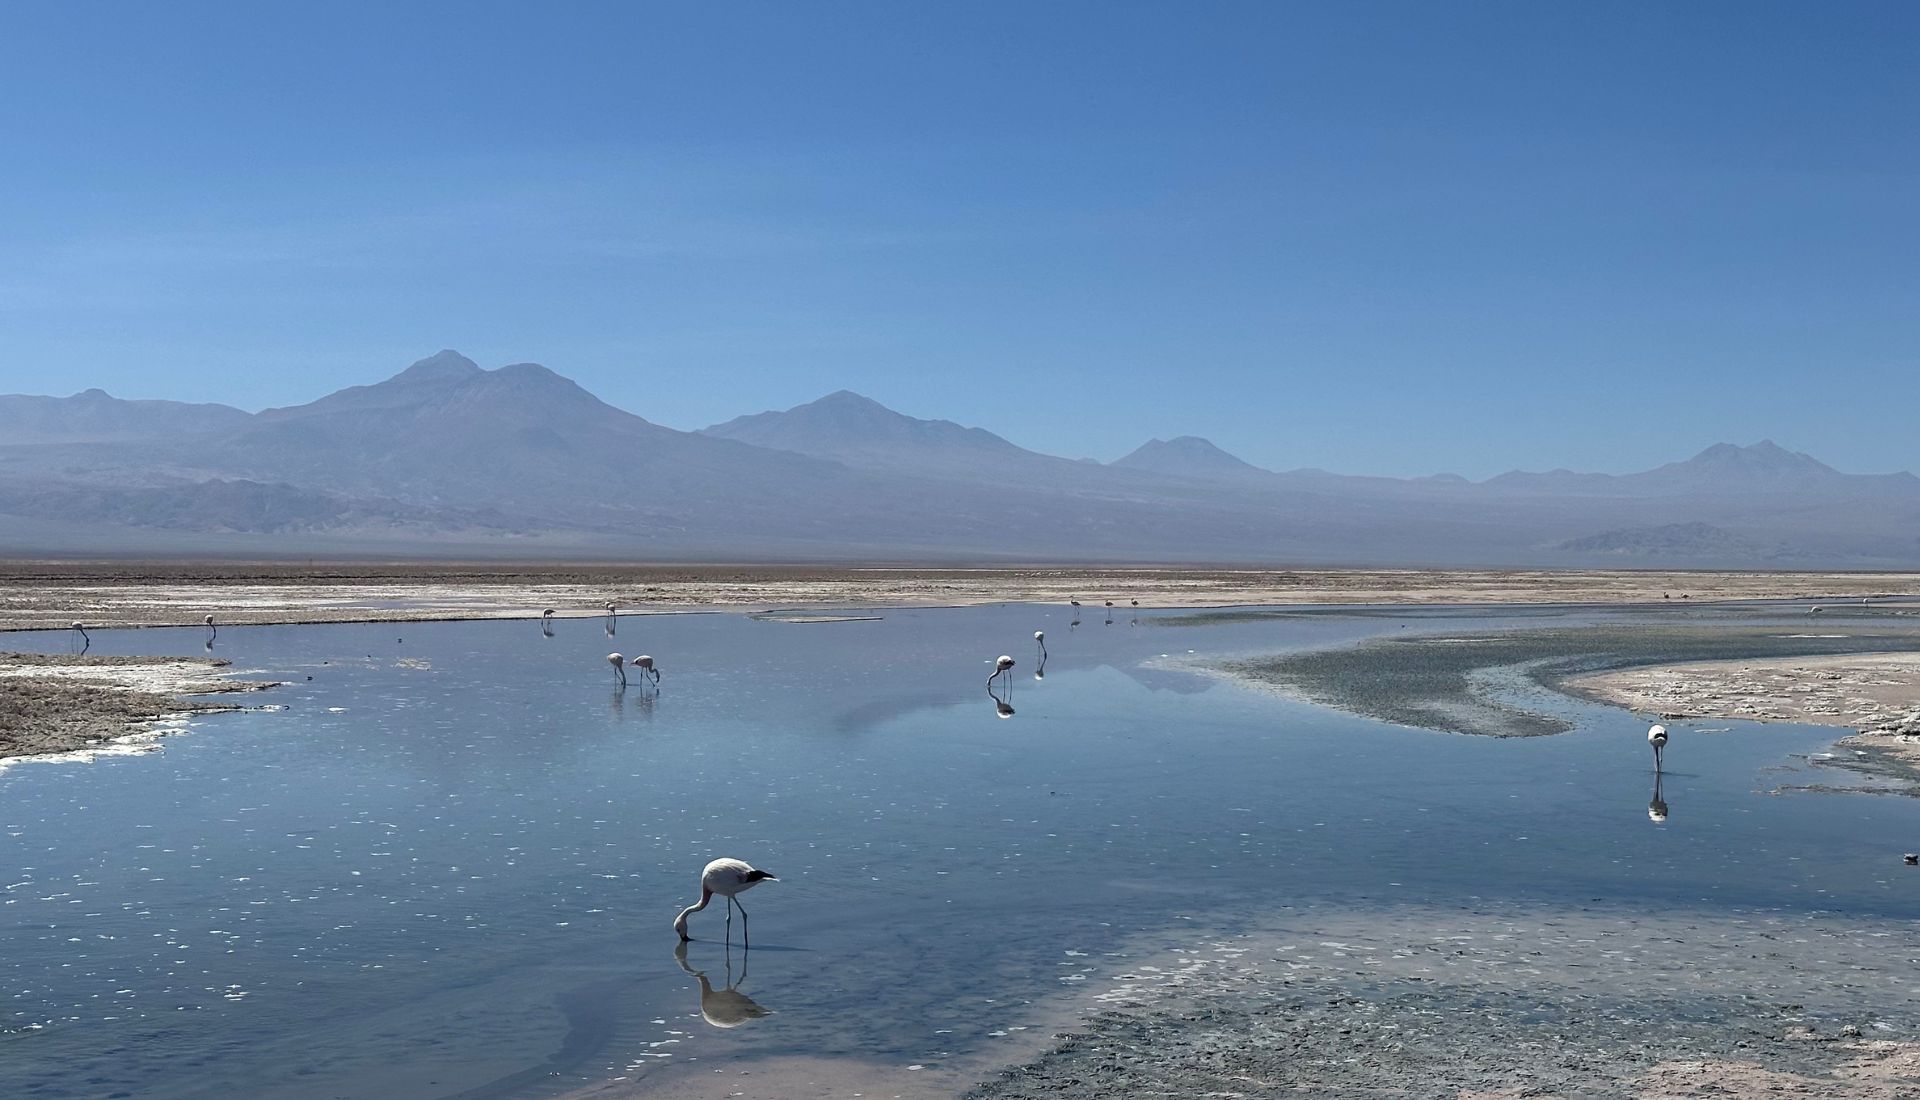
(450, 866)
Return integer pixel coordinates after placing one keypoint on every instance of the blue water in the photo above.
(450, 865)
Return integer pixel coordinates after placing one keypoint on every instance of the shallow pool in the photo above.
(450, 865)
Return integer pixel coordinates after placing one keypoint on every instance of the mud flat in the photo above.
(1484, 1003)
(49, 595)
(55, 703)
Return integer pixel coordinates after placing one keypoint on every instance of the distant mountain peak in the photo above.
(1187, 455)
(1765, 459)
(856, 430)
(848, 397)
(1764, 453)
(443, 366)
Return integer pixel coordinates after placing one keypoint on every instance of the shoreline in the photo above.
(53, 706)
(1877, 695)
(49, 595)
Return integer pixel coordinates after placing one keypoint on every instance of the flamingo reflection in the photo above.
(726, 1007)
(1657, 809)
(1002, 705)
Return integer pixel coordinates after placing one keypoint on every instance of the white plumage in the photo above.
(726, 877)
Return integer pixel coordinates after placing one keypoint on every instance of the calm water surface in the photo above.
(450, 866)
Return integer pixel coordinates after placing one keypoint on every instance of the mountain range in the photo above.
(448, 459)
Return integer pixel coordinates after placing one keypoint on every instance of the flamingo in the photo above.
(86, 642)
(1040, 637)
(1657, 737)
(546, 617)
(619, 667)
(726, 877)
(212, 630)
(645, 664)
(1001, 667)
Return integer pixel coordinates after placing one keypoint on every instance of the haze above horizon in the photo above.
(1384, 238)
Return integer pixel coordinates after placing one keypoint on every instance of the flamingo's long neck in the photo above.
(680, 922)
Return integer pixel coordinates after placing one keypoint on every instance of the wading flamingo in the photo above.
(1657, 737)
(619, 664)
(1040, 639)
(1001, 667)
(645, 664)
(86, 642)
(726, 877)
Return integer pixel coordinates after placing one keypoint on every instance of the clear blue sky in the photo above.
(1381, 238)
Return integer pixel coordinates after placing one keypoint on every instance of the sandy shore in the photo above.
(49, 595)
(53, 704)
